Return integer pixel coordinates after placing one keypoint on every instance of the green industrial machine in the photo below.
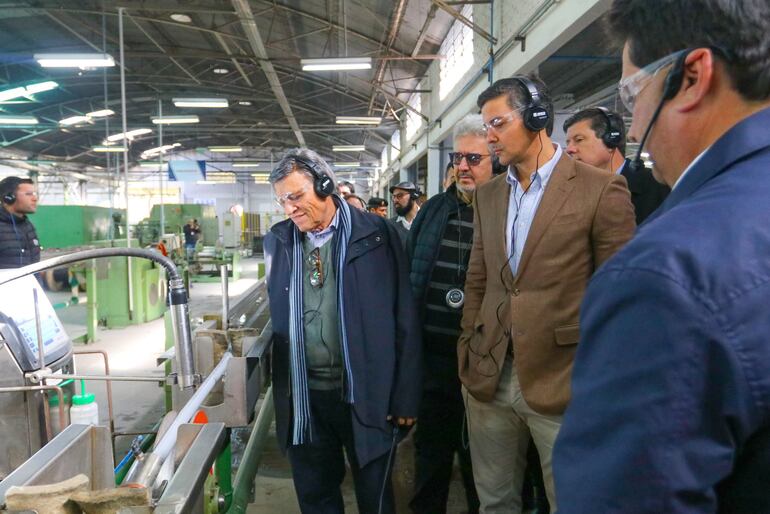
(64, 226)
(107, 286)
(176, 215)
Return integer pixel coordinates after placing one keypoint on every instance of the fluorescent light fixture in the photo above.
(246, 164)
(73, 120)
(181, 18)
(18, 92)
(337, 63)
(130, 134)
(358, 120)
(159, 150)
(173, 120)
(18, 120)
(201, 102)
(100, 114)
(349, 148)
(244, 102)
(75, 60)
(347, 164)
(225, 149)
(41, 86)
(262, 174)
(106, 149)
(153, 165)
(221, 71)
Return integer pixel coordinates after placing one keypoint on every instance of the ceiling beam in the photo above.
(249, 25)
(424, 30)
(465, 21)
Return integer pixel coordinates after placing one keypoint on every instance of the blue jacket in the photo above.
(670, 407)
(382, 329)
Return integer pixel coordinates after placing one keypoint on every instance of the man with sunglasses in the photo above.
(671, 396)
(540, 231)
(439, 247)
(346, 343)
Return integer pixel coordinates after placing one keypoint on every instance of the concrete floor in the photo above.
(138, 405)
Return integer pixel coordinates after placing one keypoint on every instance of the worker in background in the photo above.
(404, 196)
(597, 136)
(356, 201)
(439, 247)
(540, 231)
(670, 409)
(346, 345)
(191, 232)
(19, 245)
(378, 206)
(162, 248)
(449, 176)
(345, 188)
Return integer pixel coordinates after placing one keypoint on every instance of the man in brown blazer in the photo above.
(540, 232)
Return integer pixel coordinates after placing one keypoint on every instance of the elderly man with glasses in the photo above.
(671, 385)
(346, 345)
(540, 231)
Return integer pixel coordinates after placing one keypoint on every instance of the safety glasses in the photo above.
(473, 159)
(291, 198)
(316, 268)
(631, 87)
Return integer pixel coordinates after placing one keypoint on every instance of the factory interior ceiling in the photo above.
(249, 52)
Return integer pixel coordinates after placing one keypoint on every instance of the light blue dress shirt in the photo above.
(320, 237)
(522, 207)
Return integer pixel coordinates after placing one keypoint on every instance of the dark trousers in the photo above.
(438, 436)
(318, 466)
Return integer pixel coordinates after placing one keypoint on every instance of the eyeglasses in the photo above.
(630, 87)
(473, 159)
(316, 268)
(499, 121)
(291, 198)
(398, 196)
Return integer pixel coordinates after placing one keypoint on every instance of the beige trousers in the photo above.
(499, 434)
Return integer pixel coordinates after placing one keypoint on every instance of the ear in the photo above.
(698, 80)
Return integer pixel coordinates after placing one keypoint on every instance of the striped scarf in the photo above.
(299, 388)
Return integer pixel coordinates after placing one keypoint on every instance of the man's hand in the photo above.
(402, 422)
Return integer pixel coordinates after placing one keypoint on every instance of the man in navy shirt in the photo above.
(670, 408)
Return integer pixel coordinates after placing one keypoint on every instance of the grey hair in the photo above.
(288, 164)
(470, 125)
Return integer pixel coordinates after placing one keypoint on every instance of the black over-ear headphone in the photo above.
(323, 185)
(535, 115)
(414, 195)
(613, 136)
(8, 187)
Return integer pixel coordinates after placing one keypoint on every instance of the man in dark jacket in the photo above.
(597, 136)
(670, 406)
(19, 245)
(439, 246)
(346, 348)
(404, 196)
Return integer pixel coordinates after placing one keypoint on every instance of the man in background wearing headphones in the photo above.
(404, 196)
(19, 245)
(597, 136)
(346, 343)
(671, 386)
(540, 231)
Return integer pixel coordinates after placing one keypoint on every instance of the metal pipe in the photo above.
(115, 378)
(225, 297)
(149, 464)
(125, 158)
(39, 330)
(108, 384)
(160, 171)
(180, 325)
(62, 411)
(252, 455)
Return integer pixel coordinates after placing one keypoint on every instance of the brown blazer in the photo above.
(584, 217)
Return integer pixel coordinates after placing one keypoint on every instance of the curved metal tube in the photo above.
(85, 255)
(177, 297)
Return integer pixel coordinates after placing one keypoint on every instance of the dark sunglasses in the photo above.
(473, 158)
(316, 271)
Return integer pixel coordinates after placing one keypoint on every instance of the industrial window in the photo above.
(413, 120)
(457, 50)
(395, 145)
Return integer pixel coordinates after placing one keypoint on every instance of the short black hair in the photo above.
(356, 197)
(737, 30)
(599, 124)
(517, 95)
(376, 201)
(9, 185)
